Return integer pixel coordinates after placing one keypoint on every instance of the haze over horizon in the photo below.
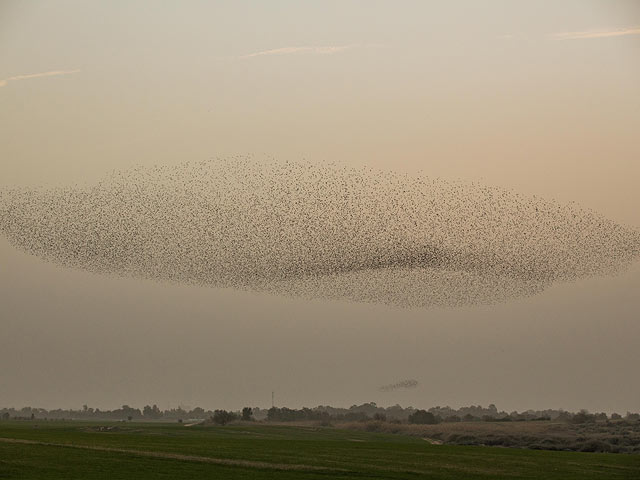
(538, 99)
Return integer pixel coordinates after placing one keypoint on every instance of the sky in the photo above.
(541, 98)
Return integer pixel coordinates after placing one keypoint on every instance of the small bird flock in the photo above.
(317, 231)
(403, 384)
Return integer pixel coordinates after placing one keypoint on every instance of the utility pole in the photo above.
(272, 403)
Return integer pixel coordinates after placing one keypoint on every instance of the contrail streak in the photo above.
(52, 73)
(596, 34)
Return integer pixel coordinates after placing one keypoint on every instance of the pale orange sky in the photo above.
(539, 97)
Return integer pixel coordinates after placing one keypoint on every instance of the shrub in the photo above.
(595, 446)
(373, 426)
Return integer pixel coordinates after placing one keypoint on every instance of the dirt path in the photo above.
(179, 456)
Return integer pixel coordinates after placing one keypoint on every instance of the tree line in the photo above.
(355, 413)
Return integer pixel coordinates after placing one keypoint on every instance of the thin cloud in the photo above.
(327, 50)
(596, 34)
(52, 73)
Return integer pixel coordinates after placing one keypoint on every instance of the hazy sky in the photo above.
(542, 97)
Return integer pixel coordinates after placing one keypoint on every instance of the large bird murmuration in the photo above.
(317, 231)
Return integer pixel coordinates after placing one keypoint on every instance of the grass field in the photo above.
(76, 450)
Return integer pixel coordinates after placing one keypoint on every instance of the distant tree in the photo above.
(247, 414)
(126, 411)
(583, 416)
(380, 417)
(273, 414)
(601, 417)
(151, 412)
(452, 418)
(422, 417)
(5, 416)
(616, 416)
(197, 412)
(222, 417)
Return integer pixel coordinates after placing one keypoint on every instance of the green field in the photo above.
(78, 450)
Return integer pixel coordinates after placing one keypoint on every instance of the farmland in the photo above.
(118, 450)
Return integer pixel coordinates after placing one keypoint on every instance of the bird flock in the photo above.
(317, 231)
(403, 384)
